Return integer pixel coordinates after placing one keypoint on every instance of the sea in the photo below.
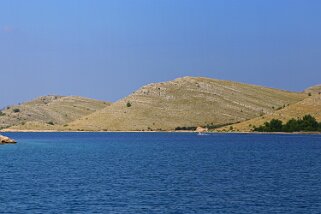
(160, 173)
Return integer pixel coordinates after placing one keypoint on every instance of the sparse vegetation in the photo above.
(174, 108)
(184, 128)
(15, 110)
(178, 105)
(38, 112)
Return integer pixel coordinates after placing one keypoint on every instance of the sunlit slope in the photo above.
(57, 110)
(310, 105)
(186, 102)
(314, 90)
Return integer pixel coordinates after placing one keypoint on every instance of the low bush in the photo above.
(16, 110)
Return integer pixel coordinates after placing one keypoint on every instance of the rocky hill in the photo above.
(310, 105)
(313, 90)
(48, 111)
(186, 102)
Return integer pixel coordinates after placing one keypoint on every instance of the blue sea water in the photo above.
(160, 173)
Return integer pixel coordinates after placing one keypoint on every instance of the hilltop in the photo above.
(310, 105)
(314, 90)
(47, 111)
(186, 102)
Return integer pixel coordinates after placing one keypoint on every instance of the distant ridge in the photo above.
(48, 111)
(186, 102)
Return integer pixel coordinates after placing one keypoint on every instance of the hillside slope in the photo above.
(314, 90)
(188, 101)
(310, 105)
(49, 110)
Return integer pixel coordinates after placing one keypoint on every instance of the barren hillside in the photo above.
(185, 102)
(49, 110)
(314, 90)
(310, 105)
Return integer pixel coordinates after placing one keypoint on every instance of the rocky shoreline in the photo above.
(6, 140)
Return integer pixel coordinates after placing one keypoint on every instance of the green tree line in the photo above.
(306, 124)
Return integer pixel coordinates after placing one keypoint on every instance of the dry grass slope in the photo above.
(310, 105)
(188, 101)
(42, 112)
(314, 90)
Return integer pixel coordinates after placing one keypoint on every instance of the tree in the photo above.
(291, 126)
(273, 126)
(16, 110)
(276, 125)
(307, 123)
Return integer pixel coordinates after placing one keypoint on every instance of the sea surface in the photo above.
(160, 173)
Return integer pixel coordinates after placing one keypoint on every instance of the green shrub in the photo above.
(188, 128)
(16, 110)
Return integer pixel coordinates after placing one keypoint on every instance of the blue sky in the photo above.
(106, 49)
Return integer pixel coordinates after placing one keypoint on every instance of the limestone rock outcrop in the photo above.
(6, 140)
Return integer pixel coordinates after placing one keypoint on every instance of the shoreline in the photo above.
(258, 133)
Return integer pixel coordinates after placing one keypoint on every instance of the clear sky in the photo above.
(106, 49)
